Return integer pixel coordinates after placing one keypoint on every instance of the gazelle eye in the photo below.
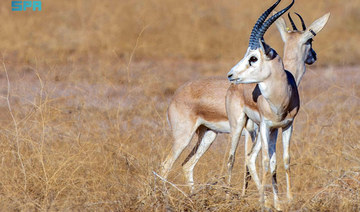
(252, 59)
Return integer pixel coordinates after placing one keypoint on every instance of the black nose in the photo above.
(230, 75)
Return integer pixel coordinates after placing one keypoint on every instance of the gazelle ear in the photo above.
(281, 26)
(316, 27)
(269, 52)
(262, 44)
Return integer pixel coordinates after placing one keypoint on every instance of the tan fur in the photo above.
(202, 101)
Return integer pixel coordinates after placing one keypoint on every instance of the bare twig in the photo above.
(15, 126)
(321, 191)
(173, 185)
(102, 203)
(133, 52)
(40, 107)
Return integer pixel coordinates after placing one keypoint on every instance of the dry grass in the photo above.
(83, 123)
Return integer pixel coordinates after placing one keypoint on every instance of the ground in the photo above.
(95, 142)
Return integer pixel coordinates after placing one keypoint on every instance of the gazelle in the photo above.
(199, 106)
(298, 51)
(272, 103)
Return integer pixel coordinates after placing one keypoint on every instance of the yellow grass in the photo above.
(85, 86)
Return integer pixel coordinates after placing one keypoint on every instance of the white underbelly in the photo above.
(280, 124)
(223, 126)
(220, 126)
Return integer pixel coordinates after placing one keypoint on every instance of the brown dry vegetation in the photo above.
(83, 123)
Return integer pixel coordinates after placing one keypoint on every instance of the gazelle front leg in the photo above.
(286, 136)
(250, 133)
(236, 129)
(250, 161)
(264, 133)
(268, 141)
(248, 148)
(272, 154)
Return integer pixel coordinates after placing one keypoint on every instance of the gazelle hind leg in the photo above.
(204, 143)
(200, 133)
(182, 134)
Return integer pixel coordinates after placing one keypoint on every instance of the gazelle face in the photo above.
(249, 69)
(297, 47)
(255, 67)
(299, 43)
(259, 60)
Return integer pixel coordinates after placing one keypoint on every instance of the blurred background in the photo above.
(85, 86)
(200, 30)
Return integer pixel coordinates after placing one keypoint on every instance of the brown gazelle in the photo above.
(200, 106)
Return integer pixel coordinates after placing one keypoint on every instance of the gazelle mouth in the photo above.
(235, 81)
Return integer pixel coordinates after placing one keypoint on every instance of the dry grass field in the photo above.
(85, 85)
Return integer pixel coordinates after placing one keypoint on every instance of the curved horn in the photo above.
(302, 21)
(270, 21)
(253, 38)
(292, 23)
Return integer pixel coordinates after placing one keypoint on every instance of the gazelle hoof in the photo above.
(290, 197)
(268, 205)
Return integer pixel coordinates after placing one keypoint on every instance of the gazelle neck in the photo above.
(275, 90)
(295, 65)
